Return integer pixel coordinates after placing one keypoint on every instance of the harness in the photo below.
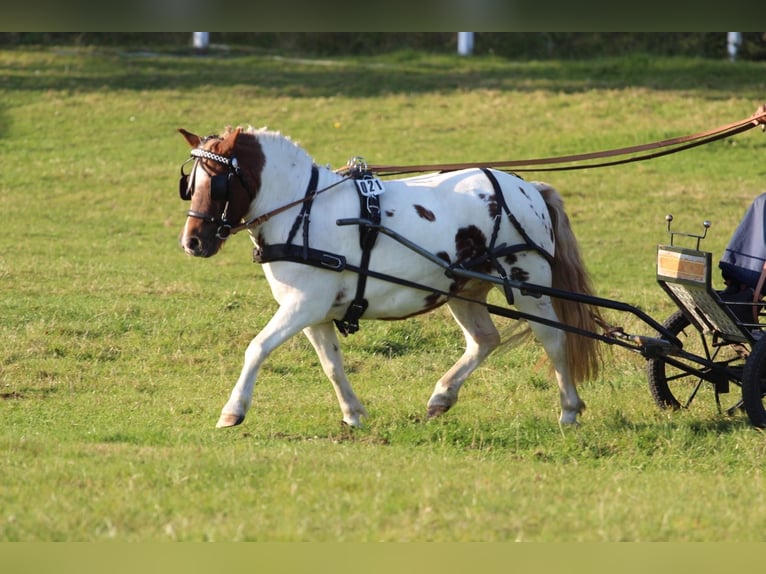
(369, 211)
(369, 224)
(494, 252)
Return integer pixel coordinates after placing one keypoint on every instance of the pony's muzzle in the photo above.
(198, 247)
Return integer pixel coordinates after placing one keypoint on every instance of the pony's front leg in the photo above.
(324, 339)
(285, 323)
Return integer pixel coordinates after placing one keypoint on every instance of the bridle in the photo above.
(220, 188)
(220, 191)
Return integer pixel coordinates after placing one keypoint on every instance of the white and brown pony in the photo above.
(326, 274)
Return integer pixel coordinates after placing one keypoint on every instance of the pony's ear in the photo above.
(193, 139)
(229, 140)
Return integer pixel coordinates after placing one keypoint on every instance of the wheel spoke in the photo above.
(694, 393)
(678, 385)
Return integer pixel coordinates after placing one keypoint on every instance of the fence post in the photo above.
(201, 41)
(465, 43)
(733, 42)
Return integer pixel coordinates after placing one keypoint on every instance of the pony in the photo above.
(338, 247)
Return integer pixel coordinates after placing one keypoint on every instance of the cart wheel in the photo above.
(675, 388)
(754, 384)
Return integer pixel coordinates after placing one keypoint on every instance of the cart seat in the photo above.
(685, 275)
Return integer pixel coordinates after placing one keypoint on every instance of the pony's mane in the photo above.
(270, 139)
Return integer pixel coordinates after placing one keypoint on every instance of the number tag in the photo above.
(369, 186)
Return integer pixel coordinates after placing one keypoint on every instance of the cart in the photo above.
(722, 343)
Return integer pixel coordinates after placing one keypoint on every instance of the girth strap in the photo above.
(369, 209)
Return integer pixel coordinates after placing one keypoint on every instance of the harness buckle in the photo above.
(350, 322)
(334, 262)
(373, 207)
(223, 232)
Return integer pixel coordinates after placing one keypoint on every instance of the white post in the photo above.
(465, 43)
(200, 41)
(733, 42)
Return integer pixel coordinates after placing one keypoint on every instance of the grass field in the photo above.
(117, 351)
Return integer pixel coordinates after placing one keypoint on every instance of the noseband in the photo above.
(219, 188)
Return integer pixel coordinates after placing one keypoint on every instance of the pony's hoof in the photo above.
(569, 415)
(436, 411)
(569, 420)
(350, 427)
(227, 420)
(351, 424)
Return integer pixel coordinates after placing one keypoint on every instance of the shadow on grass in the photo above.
(534, 438)
(367, 77)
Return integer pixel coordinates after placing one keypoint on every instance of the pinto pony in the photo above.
(315, 231)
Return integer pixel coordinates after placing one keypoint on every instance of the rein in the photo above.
(681, 143)
(675, 144)
(261, 219)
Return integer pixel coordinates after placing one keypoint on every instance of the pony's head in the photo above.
(221, 184)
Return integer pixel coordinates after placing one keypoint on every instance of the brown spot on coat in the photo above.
(340, 298)
(470, 243)
(491, 201)
(261, 240)
(390, 212)
(494, 209)
(518, 274)
(426, 214)
(444, 256)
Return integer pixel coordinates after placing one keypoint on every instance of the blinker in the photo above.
(219, 184)
(184, 190)
(219, 187)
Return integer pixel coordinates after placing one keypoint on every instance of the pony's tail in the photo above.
(570, 274)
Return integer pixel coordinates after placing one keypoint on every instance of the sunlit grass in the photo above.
(117, 351)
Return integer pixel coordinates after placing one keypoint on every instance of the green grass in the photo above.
(117, 351)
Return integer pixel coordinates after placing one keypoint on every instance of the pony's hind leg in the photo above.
(325, 342)
(553, 341)
(481, 338)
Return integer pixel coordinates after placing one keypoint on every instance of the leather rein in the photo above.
(680, 143)
(665, 147)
